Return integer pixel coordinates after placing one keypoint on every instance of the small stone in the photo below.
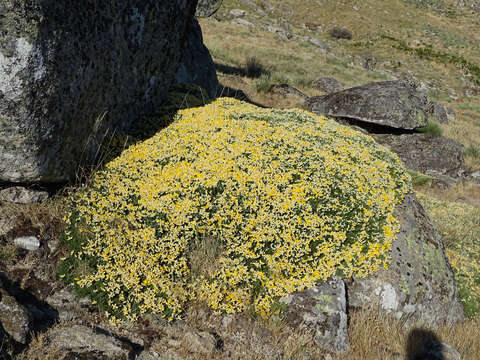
(227, 321)
(30, 243)
(243, 22)
(53, 245)
(200, 342)
(173, 343)
(475, 176)
(21, 195)
(338, 33)
(321, 44)
(280, 32)
(236, 13)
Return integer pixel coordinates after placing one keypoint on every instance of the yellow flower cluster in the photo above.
(292, 197)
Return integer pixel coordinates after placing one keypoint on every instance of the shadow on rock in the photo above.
(23, 313)
(424, 345)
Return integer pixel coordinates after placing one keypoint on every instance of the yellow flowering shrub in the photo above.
(289, 197)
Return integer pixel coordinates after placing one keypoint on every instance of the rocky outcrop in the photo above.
(328, 85)
(68, 306)
(427, 153)
(14, 317)
(196, 66)
(419, 283)
(206, 8)
(286, 90)
(441, 113)
(78, 340)
(72, 71)
(396, 104)
(21, 195)
(323, 310)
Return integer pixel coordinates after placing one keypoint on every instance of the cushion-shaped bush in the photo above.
(233, 205)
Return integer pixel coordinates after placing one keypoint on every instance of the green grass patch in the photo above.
(472, 151)
(428, 53)
(432, 128)
(263, 84)
(419, 179)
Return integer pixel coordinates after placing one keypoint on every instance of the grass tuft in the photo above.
(264, 84)
(432, 128)
(254, 68)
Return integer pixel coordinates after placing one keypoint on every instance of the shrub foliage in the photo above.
(285, 199)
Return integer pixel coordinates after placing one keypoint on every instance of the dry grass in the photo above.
(204, 255)
(43, 220)
(374, 336)
(463, 192)
(39, 349)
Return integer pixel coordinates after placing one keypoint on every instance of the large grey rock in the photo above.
(206, 8)
(323, 310)
(397, 104)
(427, 153)
(14, 317)
(441, 113)
(70, 71)
(419, 283)
(196, 65)
(329, 85)
(80, 339)
(21, 195)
